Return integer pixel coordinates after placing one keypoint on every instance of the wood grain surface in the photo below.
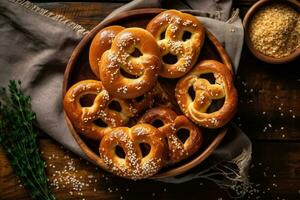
(269, 112)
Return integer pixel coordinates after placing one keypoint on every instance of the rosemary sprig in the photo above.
(18, 137)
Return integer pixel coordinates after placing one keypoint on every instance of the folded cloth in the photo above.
(36, 44)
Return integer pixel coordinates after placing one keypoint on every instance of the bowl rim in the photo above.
(247, 19)
(92, 155)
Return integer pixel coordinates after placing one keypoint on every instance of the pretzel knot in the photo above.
(130, 67)
(183, 137)
(132, 162)
(156, 96)
(196, 95)
(180, 37)
(95, 119)
(101, 43)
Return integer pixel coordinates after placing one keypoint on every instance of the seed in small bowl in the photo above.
(272, 30)
(275, 30)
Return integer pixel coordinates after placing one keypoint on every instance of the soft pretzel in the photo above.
(101, 42)
(119, 60)
(170, 124)
(196, 108)
(133, 165)
(84, 119)
(170, 29)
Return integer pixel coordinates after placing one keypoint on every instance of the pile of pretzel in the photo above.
(130, 114)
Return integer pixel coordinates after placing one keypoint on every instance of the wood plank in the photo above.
(268, 99)
(275, 167)
(274, 176)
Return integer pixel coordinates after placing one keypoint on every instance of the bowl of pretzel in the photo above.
(149, 94)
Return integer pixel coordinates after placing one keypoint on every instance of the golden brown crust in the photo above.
(134, 165)
(84, 118)
(206, 92)
(156, 96)
(171, 126)
(174, 24)
(101, 43)
(143, 68)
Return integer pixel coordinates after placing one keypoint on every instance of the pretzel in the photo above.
(170, 28)
(134, 165)
(142, 71)
(101, 42)
(205, 92)
(84, 118)
(170, 126)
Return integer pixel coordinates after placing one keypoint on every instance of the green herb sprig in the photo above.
(18, 137)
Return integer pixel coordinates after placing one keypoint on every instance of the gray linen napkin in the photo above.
(35, 46)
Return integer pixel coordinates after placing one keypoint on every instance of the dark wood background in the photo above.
(269, 112)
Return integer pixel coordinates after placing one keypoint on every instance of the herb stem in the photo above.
(30, 130)
(18, 136)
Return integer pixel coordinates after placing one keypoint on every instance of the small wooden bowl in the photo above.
(247, 19)
(78, 69)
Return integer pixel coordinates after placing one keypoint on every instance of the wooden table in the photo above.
(269, 112)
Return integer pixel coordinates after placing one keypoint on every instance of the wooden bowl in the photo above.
(78, 69)
(247, 19)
